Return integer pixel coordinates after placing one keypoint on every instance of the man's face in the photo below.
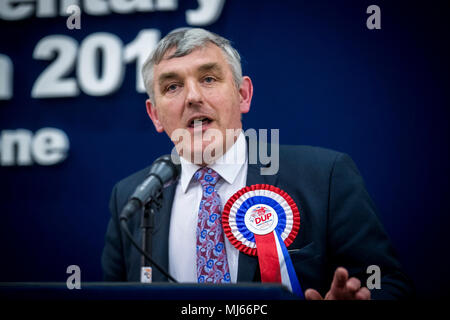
(197, 93)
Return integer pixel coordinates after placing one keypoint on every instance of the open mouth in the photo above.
(200, 121)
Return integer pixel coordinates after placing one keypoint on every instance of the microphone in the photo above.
(162, 171)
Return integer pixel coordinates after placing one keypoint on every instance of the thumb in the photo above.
(312, 294)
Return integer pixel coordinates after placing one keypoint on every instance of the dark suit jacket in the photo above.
(338, 225)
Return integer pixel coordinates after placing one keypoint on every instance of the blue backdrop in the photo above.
(320, 76)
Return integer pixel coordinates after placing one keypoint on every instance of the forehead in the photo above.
(191, 62)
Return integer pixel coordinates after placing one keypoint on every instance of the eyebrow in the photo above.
(213, 66)
(167, 76)
(207, 67)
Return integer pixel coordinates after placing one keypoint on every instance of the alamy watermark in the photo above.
(374, 20)
(74, 20)
(74, 280)
(190, 144)
(374, 280)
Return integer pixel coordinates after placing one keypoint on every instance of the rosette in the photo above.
(263, 220)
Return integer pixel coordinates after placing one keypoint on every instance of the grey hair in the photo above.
(185, 40)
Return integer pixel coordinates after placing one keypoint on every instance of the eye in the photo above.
(171, 87)
(208, 79)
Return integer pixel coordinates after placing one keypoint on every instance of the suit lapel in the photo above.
(247, 264)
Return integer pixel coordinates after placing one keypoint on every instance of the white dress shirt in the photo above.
(232, 168)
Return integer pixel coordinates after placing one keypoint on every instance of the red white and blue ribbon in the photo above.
(263, 220)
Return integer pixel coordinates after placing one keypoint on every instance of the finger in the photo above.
(363, 294)
(340, 279)
(353, 285)
(312, 294)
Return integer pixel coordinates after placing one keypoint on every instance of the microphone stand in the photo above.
(147, 226)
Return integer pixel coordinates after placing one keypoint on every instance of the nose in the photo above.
(193, 95)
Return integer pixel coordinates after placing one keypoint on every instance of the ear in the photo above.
(153, 114)
(246, 94)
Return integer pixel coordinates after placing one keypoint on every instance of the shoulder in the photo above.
(307, 158)
(316, 165)
(308, 154)
(311, 163)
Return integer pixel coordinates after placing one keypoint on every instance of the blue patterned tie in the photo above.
(212, 263)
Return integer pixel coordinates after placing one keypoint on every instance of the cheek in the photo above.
(226, 104)
(230, 114)
(170, 115)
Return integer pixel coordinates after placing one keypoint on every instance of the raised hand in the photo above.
(342, 288)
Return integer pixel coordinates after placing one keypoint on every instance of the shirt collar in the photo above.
(227, 166)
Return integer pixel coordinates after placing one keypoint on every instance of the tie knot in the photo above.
(206, 176)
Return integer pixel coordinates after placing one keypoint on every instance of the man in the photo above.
(195, 85)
